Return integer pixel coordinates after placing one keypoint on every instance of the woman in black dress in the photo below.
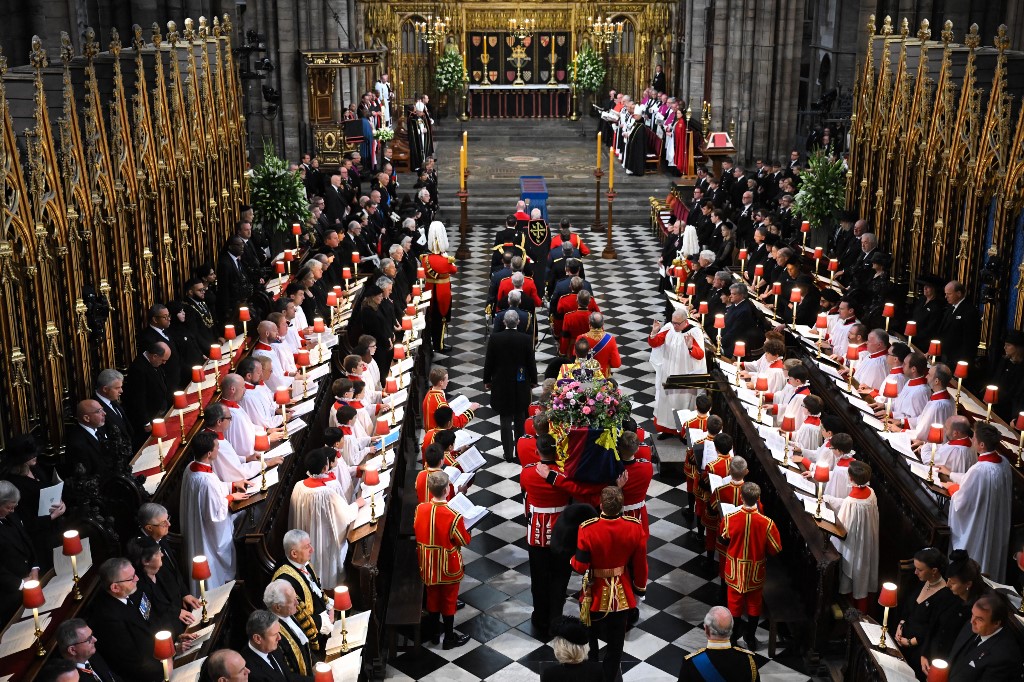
(20, 467)
(965, 584)
(930, 593)
(378, 323)
(163, 594)
(570, 645)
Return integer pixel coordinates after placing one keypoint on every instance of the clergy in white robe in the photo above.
(939, 407)
(677, 348)
(915, 393)
(957, 453)
(979, 507)
(838, 336)
(858, 514)
(206, 523)
(317, 507)
(258, 399)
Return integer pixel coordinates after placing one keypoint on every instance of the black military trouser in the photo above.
(549, 579)
(611, 627)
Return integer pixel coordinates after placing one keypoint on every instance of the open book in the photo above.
(470, 460)
(470, 512)
(458, 478)
(460, 404)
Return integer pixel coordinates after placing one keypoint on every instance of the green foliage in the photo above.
(822, 190)
(384, 134)
(448, 76)
(589, 70)
(277, 194)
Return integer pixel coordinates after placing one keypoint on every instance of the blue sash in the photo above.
(706, 668)
(599, 346)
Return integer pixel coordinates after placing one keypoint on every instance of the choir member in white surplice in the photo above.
(838, 336)
(269, 338)
(318, 508)
(258, 399)
(677, 348)
(957, 453)
(830, 425)
(241, 430)
(872, 370)
(206, 523)
(799, 378)
(345, 476)
(228, 466)
(858, 514)
(770, 365)
(913, 396)
(839, 480)
(808, 436)
(939, 407)
(979, 507)
(894, 358)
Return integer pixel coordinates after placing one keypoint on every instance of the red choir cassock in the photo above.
(434, 399)
(543, 505)
(729, 494)
(691, 463)
(440, 536)
(750, 537)
(422, 494)
(614, 550)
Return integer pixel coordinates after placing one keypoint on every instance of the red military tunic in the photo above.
(634, 492)
(691, 467)
(750, 537)
(565, 305)
(573, 324)
(434, 399)
(529, 290)
(615, 551)
(543, 503)
(422, 494)
(581, 492)
(440, 536)
(526, 450)
(709, 515)
(608, 357)
(439, 270)
(574, 239)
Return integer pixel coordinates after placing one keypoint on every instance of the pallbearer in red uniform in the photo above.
(611, 551)
(750, 538)
(549, 576)
(436, 398)
(440, 536)
(639, 472)
(691, 461)
(565, 234)
(439, 267)
(526, 446)
(719, 467)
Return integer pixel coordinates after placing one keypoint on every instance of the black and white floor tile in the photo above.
(496, 587)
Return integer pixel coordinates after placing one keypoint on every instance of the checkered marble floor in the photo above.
(496, 587)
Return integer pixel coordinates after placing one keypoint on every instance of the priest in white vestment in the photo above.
(677, 348)
(258, 399)
(858, 514)
(979, 506)
(241, 430)
(957, 453)
(206, 523)
(318, 508)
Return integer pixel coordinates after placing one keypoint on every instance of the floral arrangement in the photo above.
(822, 190)
(277, 194)
(588, 70)
(383, 134)
(596, 404)
(449, 73)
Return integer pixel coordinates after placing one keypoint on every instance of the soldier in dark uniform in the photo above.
(929, 309)
(719, 660)
(611, 552)
(510, 237)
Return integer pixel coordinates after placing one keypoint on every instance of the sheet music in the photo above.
(149, 458)
(396, 399)
(684, 416)
(364, 515)
(55, 592)
(215, 601)
(321, 370)
(729, 370)
(174, 412)
(305, 407)
(273, 478)
(1007, 591)
(464, 437)
(921, 470)
(811, 504)
(459, 404)
(746, 395)
(717, 482)
(385, 481)
(471, 460)
(772, 438)
(458, 478)
(900, 441)
(62, 564)
(471, 512)
(873, 632)
(402, 366)
(357, 626)
(49, 497)
(188, 672)
(727, 508)
(390, 439)
(766, 419)
(375, 461)
(696, 435)
(282, 450)
(873, 422)
(209, 381)
(202, 635)
(21, 635)
(153, 482)
(799, 482)
(312, 386)
(348, 667)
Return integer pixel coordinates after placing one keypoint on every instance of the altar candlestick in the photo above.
(598, 150)
(611, 169)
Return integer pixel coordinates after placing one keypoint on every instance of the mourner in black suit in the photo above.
(121, 620)
(18, 558)
(83, 443)
(165, 592)
(109, 387)
(335, 201)
(146, 393)
(986, 648)
(262, 653)
(19, 466)
(719, 660)
(570, 637)
(742, 323)
(510, 373)
(960, 329)
(658, 82)
(930, 308)
(77, 644)
(159, 331)
(235, 287)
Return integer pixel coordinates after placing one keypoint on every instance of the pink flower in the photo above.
(586, 410)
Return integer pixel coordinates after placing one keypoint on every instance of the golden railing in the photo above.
(116, 201)
(935, 158)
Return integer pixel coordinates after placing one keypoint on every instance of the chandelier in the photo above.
(520, 28)
(433, 30)
(604, 31)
